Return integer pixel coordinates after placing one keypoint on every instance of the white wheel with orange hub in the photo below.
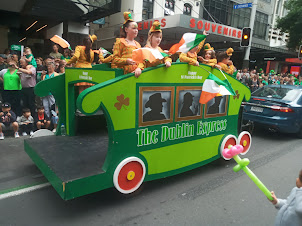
(245, 139)
(129, 175)
(227, 141)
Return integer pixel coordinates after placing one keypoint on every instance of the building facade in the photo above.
(32, 23)
(276, 37)
(142, 11)
(219, 18)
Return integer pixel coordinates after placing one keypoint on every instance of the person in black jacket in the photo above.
(41, 119)
(8, 120)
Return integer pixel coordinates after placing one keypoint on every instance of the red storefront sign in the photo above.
(184, 21)
(146, 25)
(215, 28)
(293, 60)
(295, 70)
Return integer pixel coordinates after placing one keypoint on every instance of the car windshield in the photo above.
(282, 93)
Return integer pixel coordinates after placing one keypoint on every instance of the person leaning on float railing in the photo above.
(153, 42)
(124, 46)
(191, 56)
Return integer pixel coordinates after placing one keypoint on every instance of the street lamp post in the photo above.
(248, 49)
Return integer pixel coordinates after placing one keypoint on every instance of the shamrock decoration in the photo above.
(237, 95)
(122, 102)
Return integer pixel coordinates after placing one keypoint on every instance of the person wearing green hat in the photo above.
(296, 82)
(260, 72)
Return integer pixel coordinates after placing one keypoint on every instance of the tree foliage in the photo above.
(292, 23)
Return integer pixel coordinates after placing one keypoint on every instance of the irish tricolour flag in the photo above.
(213, 87)
(60, 41)
(147, 54)
(187, 42)
(105, 52)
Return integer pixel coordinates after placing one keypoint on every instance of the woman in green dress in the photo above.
(12, 86)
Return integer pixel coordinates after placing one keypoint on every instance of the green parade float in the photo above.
(155, 127)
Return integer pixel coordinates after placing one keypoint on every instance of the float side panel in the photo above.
(181, 155)
(47, 172)
(87, 185)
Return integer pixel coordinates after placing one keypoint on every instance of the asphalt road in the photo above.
(210, 195)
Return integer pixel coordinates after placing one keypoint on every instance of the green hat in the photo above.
(272, 72)
(208, 47)
(260, 77)
(291, 75)
(260, 69)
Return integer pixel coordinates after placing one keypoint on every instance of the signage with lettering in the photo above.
(214, 28)
(241, 6)
(16, 47)
(185, 21)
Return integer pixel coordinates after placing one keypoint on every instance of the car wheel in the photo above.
(129, 175)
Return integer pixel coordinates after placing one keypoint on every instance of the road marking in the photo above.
(21, 190)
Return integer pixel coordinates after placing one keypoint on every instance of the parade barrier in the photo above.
(155, 127)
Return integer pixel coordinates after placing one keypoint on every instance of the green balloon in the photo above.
(242, 164)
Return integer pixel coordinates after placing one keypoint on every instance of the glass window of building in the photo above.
(187, 9)
(241, 18)
(218, 9)
(260, 26)
(148, 9)
(278, 7)
(169, 7)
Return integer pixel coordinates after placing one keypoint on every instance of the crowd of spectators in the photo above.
(255, 80)
(20, 110)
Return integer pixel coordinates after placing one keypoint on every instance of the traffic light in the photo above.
(300, 52)
(246, 37)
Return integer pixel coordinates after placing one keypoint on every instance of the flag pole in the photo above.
(218, 69)
(223, 74)
(205, 69)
